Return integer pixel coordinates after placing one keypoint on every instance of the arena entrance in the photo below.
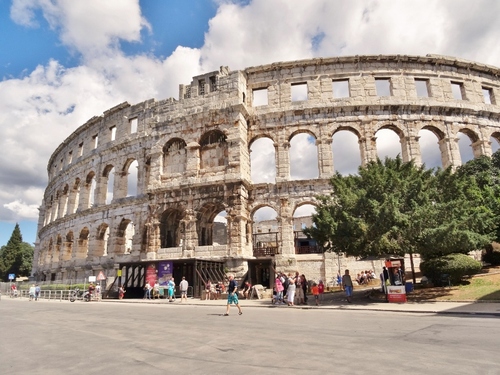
(133, 276)
(261, 271)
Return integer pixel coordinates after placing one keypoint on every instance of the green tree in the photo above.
(16, 257)
(396, 208)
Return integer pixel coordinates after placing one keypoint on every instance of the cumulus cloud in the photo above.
(45, 106)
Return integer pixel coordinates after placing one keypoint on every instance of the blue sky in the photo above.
(65, 61)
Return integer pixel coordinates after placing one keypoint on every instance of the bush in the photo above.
(455, 265)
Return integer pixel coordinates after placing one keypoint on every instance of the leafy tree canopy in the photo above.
(16, 257)
(393, 207)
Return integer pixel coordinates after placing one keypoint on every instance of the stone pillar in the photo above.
(282, 161)
(325, 157)
(481, 147)
(285, 224)
(193, 159)
(450, 153)
(411, 149)
(190, 234)
(368, 150)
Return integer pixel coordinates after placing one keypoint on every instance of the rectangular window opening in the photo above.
(488, 95)
(133, 125)
(61, 165)
(113, 132)
(259, 97)
(299, 92)
(340, 88)
(95, 139)
(422, 88)
(70, 157)
(80, 149)
(201, 87)
(457, 89)
(383, 86)
(213, 84)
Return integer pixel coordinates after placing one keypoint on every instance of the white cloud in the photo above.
(21, 209)
(40, 110)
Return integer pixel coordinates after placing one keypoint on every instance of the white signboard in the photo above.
(92, 279)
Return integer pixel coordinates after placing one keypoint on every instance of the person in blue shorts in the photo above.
(232, 296)
(347, 285)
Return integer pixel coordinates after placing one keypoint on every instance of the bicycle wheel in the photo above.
(72, 298)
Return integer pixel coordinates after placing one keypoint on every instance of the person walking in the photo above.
(183, 286)
(232, 296)
(32, 292)
(121, 292)
(315, 292)
(347, 285)
(37, 292)
(290, 293)
(147, 291)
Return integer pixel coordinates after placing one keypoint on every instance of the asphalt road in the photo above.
(110, 338)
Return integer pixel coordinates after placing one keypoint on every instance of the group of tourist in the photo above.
(365, 277)
(156, 292)
(214, 290)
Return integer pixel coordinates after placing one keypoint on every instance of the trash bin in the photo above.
(409, 287)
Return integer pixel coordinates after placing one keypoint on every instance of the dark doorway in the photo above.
(261, 272)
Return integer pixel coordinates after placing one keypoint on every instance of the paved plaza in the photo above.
(157, 337)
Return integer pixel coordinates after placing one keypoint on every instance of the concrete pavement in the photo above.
(335, 301)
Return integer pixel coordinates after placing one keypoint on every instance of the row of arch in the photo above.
(307, 151)
(345, 149)
(173, 223)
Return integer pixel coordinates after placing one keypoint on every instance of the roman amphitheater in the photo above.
(169, 183)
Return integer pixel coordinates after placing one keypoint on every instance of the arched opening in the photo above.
(174, 156)
(302, 218)
(303, 157)
(346, 153)
(206, 225)
(214, 150)
(124, 238)
(495, 142)
(109, 175)
(263, 161)
(171, 230)
(388, 144)
(265, 232)
(429, 148)
(132, 173)
(102, 240)
(465, 140)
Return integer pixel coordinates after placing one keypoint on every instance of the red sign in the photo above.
(396, 293)
(101, 276)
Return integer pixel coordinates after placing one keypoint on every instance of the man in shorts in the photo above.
(232, 296)
(183, 286)
(347, 285)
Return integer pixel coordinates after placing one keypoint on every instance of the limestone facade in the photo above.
(144, 182)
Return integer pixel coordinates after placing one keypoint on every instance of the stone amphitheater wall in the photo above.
(192, 157)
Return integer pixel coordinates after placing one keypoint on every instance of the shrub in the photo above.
(455, 265)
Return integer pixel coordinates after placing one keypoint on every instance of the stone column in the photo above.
(282, 161)
(450, 153)
(481, 147)
(368, 150)
(193, 159)
(190, 234)
(411, 149)
(325, 157)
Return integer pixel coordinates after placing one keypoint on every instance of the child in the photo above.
(321, 289)
(315, 292)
